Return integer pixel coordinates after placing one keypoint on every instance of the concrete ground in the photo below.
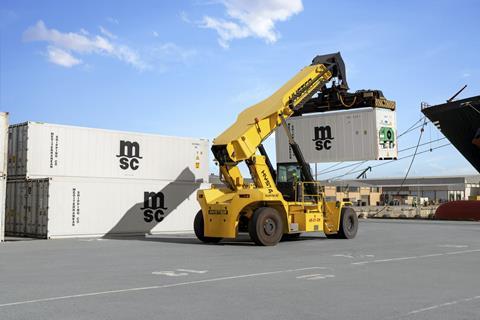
(393, 270)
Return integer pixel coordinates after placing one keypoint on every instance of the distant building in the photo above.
(360, 193)
(434, 189)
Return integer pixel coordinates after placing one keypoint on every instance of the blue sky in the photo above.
(187, 68)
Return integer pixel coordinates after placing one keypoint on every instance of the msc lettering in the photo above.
(322, 137)
(129, 155)
(153, 206)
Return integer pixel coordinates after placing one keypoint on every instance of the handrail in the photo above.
(319, 187)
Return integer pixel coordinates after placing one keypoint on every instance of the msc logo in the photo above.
(129, 155)
(322, 137)
(153, 206)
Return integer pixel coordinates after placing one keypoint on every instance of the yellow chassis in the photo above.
(222, 208)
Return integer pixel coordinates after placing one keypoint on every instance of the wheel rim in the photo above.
(350, 223)
(269, 226)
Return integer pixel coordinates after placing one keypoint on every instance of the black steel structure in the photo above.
(459, 121)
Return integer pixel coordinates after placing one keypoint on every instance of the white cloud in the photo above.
(251, 18)
(107, 33)
(162, 56)
(155, 34)
(64, 45)
(169, 52)
(61, 57)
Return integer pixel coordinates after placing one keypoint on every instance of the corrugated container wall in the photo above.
(41, 150)
(82, 207)
(3, 169)
(363, 134)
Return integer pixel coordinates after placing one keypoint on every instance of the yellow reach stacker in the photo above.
(288, 202)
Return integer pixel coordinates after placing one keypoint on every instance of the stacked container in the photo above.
(69, 181)
(3, 170)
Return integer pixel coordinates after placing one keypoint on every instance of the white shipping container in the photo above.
(363, 134)
(41, 150)
(79, 207)
(3, 186)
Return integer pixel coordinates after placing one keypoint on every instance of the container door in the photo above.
(17, 150)
(20, 208)
(30, 216)
(31, 208)
(36, 208)
(10, 209)
(22, 150)
(12, 152)
(15, 208)
(42, 220)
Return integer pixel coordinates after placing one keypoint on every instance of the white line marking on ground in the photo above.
(317, 276)
(170, 273)
(415, 257)
(385, 260)
(180, 284)
(446, 304)
(192, 271)
(343, 256)
(351, 256)
(452, 246)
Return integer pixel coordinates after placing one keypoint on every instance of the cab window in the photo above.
(288, 173)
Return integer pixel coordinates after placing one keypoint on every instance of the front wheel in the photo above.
(199, 228)
(348, 225)
(266, 227)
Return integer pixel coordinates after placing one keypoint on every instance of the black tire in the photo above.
(266, 227)
(348, 224)
(198, 227)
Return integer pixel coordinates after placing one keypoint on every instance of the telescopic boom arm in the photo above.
(241, 140)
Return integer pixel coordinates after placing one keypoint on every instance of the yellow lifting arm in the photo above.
(241, 140)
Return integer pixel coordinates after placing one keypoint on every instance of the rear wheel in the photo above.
(348, 225)
(199, 228)
(266, 227)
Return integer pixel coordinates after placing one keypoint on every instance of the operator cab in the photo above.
(288, 175)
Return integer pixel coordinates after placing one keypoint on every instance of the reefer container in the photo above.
(41, 150)
(363, 134)
(88, 207)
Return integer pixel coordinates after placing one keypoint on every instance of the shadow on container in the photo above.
(144, 216)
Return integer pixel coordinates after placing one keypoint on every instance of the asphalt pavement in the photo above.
(393, 269)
